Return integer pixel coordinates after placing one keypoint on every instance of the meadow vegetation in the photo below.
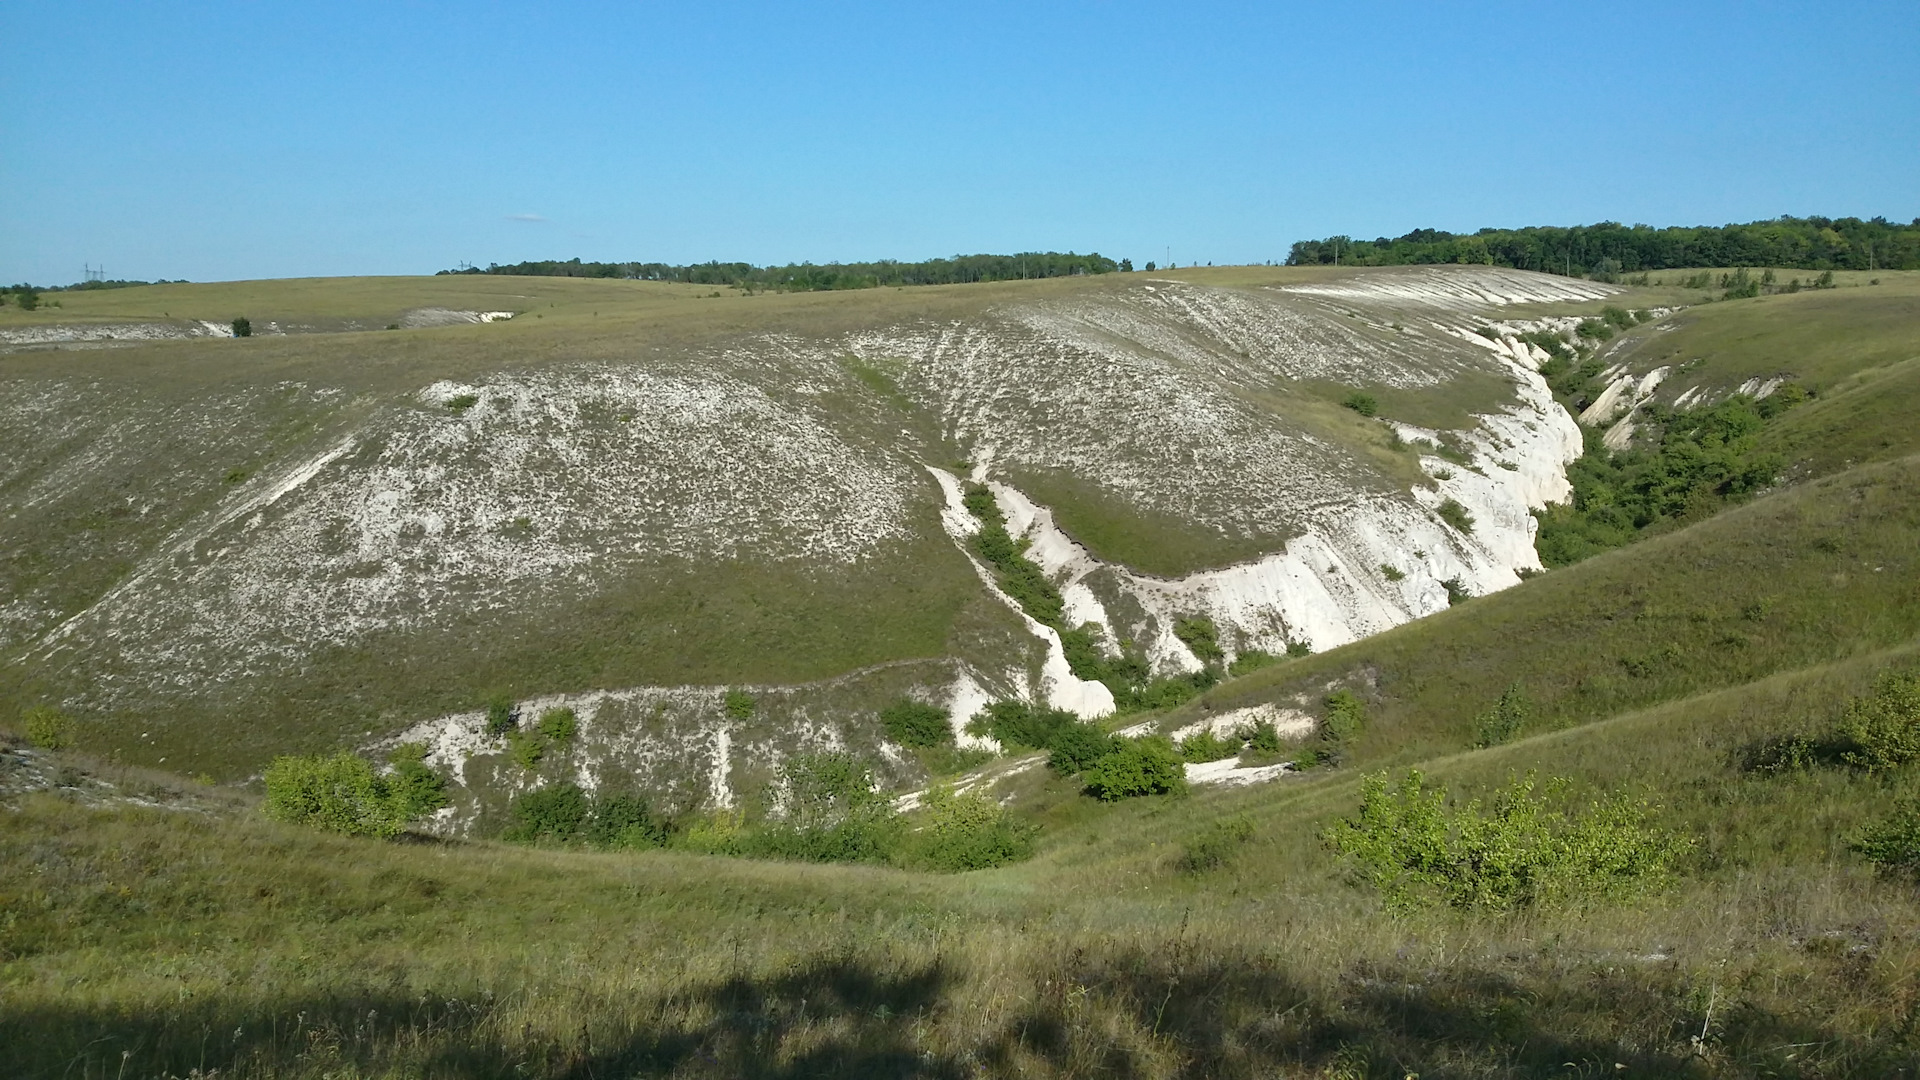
(1653, 813)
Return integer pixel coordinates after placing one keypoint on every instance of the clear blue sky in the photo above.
(235, 140)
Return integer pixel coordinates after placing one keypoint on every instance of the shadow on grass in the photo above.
(1126, 1015)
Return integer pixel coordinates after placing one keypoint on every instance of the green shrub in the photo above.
(1594, 328)
(1618, 317)
(1884, 727)
(1298, 649)
(917, 725)
(1262, 737)
(1456, 515)
(969, 831)
(1346, 715)
(1204, 746)
(1018, 725)
(1082, 648)
(1076, 747)
(1309, 758)
(1198, 635)
(413, 786)
(1250, 660)
(242, 327)
(1893, 843)
(343, 793)
(738, 705)
(1525, 849)
(1392, 573)
(1144, 766)
(47, 727)
(1215, 847)
(1363, 403)
(834, 814)
(1504, 720)
(558, 724)
(502, 717)
(553, 814)
(623, 822)
(1457, 591)
(462, 402)
(526, 748)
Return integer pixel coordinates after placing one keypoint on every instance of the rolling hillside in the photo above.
(153, 926)
(637, 492)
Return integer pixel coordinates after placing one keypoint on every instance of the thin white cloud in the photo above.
(536, 218)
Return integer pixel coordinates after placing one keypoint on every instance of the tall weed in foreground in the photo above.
(1525, 849)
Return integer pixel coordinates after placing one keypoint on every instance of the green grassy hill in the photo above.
(153, 927)
(221, 549)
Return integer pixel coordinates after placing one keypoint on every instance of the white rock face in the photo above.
(1328, 587)
(540, 483)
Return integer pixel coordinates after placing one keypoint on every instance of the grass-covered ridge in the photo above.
(1812, 574)
(628, 483)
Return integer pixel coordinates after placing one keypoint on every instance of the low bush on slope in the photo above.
(1525, 848)
(832, 811)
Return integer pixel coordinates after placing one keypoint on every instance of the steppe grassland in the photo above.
(380, 960)
(1822, 337)
(237, 414)
(193, 940)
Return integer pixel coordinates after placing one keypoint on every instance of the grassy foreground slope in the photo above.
(142, 942)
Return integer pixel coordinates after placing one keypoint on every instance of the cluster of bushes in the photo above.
(831, 810)
(1878, 733)
(564, 814)
(1110, 767)
(1526, 848)
(1701, 460)
(345, 793)
(555, 727)
(1019, 576)
(1611, 319)
(1741, 284)
(1260, 738)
